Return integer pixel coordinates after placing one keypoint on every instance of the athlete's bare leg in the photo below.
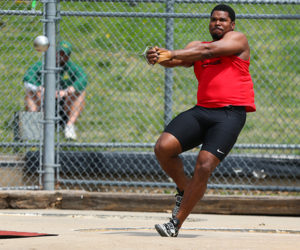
(167, 150)
(194, 191)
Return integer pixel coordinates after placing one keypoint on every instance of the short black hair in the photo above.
(226, 8)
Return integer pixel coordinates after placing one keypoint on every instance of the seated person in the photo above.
(71, 89)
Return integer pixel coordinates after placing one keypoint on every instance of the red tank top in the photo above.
(224, 81)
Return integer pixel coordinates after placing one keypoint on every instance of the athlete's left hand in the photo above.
(151, 55)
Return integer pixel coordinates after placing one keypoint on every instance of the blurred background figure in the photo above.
(70, 90)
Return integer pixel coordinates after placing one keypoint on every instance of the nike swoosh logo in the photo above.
(219, 151)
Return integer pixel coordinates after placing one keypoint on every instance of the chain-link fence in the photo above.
(128, 103)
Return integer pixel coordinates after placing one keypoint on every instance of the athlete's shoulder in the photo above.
(192, 44)
(235, 35)
(240, 42)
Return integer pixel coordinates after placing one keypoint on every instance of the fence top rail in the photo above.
(194, 1)
(149, 15)
(142, 145)
(174, 15)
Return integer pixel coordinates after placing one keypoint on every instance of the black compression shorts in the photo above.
(217, 129)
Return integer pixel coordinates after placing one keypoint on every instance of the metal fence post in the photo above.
(49, 111)
(169, 71)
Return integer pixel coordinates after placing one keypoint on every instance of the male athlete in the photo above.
(72, 84)
(225, 94)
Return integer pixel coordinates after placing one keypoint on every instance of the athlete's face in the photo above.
(220, 23)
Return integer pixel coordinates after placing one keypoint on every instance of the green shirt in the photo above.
(70, 75)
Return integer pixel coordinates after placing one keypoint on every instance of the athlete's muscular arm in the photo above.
(179, 61)
(233, 43)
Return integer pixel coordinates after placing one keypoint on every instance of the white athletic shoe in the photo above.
(169, 229)
(70, 132)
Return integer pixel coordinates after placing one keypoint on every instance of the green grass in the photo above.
(125, 96)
